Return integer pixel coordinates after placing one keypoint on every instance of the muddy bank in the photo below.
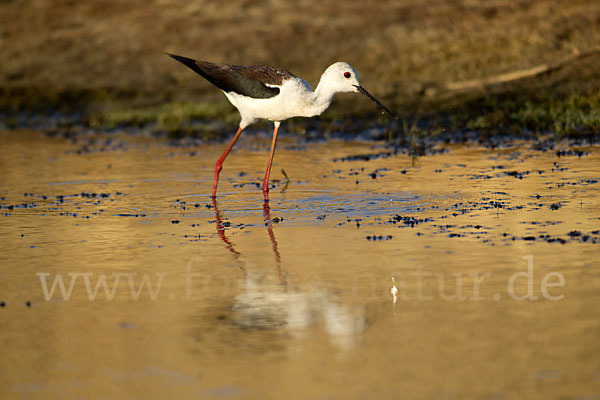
(565, 102)
(101, 67)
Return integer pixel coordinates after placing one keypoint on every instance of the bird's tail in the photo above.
(188, 62)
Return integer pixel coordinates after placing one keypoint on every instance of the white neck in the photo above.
(320, 99)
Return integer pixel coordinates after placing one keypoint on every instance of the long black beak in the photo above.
(363, 91)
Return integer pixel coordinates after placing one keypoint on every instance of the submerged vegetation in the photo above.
(572, 115)
(168, 117)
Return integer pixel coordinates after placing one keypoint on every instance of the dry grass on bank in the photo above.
(76, 53)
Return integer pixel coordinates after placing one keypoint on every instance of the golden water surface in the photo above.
(120, 277)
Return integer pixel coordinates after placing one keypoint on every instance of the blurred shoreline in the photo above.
(100, 65)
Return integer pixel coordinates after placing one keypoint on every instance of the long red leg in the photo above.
(219, 164)
(265, 186)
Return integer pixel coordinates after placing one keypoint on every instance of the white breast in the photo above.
(293, 100)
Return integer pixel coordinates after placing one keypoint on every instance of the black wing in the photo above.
(227, 78)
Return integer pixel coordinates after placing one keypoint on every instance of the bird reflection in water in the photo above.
(266, 303)
(269, 225)
(236, 254)
(221, 233)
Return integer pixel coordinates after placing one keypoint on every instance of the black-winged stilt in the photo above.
(275, 95)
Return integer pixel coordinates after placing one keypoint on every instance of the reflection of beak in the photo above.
(363, 91)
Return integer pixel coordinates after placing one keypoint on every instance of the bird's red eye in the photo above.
(347, 74)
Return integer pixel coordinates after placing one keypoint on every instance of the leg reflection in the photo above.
(221, 233)
(236, 254)
(267, 303)
(269, 224)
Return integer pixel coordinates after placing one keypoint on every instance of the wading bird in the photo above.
(275, 95)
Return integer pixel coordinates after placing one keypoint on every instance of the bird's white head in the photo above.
(341, 77)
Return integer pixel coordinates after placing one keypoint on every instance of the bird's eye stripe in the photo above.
(347, 74)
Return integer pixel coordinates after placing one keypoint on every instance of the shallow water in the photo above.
(235, 299)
